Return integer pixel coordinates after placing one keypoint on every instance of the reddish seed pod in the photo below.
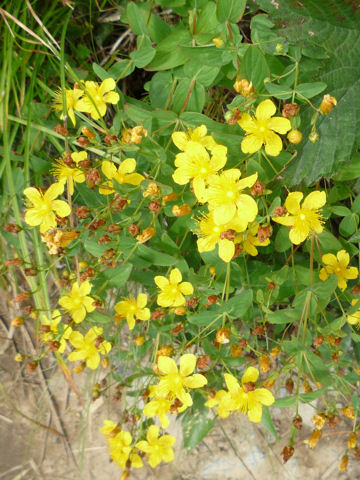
(287, 453)
(61, 130)
(11, 228)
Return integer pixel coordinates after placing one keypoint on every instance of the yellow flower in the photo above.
(41, 207)
(261, 129)
(226, 200)
(121, 450)
(122, 174)
(250, 240)
(65, 173)
(109, 428)
(247, 398)
(57, 239)
(172, 289)
(159, 407)
(305, 219)
(157, 448)
(354, 318)
(196, 164)
(211, 235)
(71, 98)
(96, 97)
(77, 302)
(174, 383)
(131, 308)
(53, 333)
(88, 348)
(338, 265)
(222, 400)
(181, 139)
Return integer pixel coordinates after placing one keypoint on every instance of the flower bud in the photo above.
(279, 211)
(343, 463)
(264, 363)
(327, 104)
(133, 229)
(289, 385)
(180, 311)
(139, 341)
(110, 139)
(19, 358)
(297, 422)
(82, 212)
(314, 136)
(319, 420)
(294, 136)
(155, 206)
(212, 299)
(83, 141)
(31, 367)
(17, 321)
(258, 188)
(212, 270)
(218, 42)
(172, 197)
(11, 228)
(88, 133)
(152, 189)
(275, 352)
(146, 235)
(222, 335)
(180, 211)
(352, 441)
(348, 412)
(61, 130)
(244, 87)
(105, 362)
(279, 48)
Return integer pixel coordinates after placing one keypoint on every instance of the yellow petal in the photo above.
(251, 375)
(323, 275)
(287, 221)
(54, 191)
(265, 110)
(108, 169)
(247, 123)
(152, 434)
(224, 213)
(343, 258)
(32, 194)
(180, 139)
(273, 144)
(351, 273)
(93, 361)
(251, 144)
(33, 217)
(279, 124)
(195, 381)
(247, 182)
(231, 383)
(199, 188)
(107, 85)
(298, 235)
(315, 200)
(166, 365)
(128, 165)
(186, 288)
(329, 259)
(181, 177)
(133, 179)
(247, 208)
(141, 300)
(187, 364)
(255, 413)
(61, 208)
(112, 97)
(161, 281)
(175, 276)
(226, 250)
(292, 203)
(264, 396)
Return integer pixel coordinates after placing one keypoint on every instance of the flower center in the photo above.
(302, 216)
(230, 194)
(98, 99)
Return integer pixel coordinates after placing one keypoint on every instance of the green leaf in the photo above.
(155, 257)
(238, 305)
(349, 224)
(159, 89)
(254, 66)
(135, 18)
(279, 91)
(230, 10)
(143, 56)
(309, 90)
(96, 317)
(121, 69)
(266, 420)
(118, 276)
(202, 73)
(168, 52)
(206, 317)
(286, 315)
(195, 427)
(205, 55)
(190, 91)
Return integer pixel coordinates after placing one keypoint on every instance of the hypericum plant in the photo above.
(185, 263)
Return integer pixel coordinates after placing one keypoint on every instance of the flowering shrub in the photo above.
(183, 253)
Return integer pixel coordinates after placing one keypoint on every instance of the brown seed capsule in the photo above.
(327, 104)
(290, 110)
(297, 422)
(113, 228)
(348, 412)
(228, 235)
(119, 203)
(31, 367)
(319, 340)
(21, 297)
(333, 420)
(104, 239)
(82, 212)
(13, 262)
(89, 272)
(27, 309)
(258, 188)
(356, 453)
(133, 229)
(289, 385)
(155, 206)
(11, 228)
(279, 211)
(176, 330)
(192, 302)
(356, 290)
(203, 362)
(157, 314)
(93, 178)
(110, 139)
(30, 272)
(343, 463)
(212, 299)
(312, 441)
(242, 342)
(83, 141)
(165, 351)
(236, 351)
(61, 130)
(85, 164)
(53, 345)
(222, 335)
(175, 406)
(259, 330)
(97, 223)
(269, 383)
(264, 233)
(287, 453)
(264, 363)
(307, 387)
(88, 133)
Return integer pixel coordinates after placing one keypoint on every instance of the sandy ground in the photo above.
(32, 451)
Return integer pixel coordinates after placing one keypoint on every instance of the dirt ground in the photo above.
(32, 445)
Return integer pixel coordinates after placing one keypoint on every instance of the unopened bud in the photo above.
(31, 367)
(294, 136)
(236, 351)
(165, 351)
(343, 463)
(244, 87)
(19, 358)
(275, 352)
(88, 133)
(289, 385)
(264, 363)
(139, 341)
(212, 270)
(352, 441)
(290, 110)
(17, 321)
(180, 311)
(258, 188)
(218, 42)
(327, 104)
(212, 299)
(92, 178)
(348, 412)
(105, 362)
(83, 141)
(181, 210)
(319, 420)
(314, 136)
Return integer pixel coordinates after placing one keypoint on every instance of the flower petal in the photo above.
(187, 364)
(180, 139)
(315, 200)
(298, 235)
(292, 203)
(54, 191)
(251, 375)
(226, 249)
(251, 144)
(195, 381)
(175, 276)
(265, 110)
(107, 85)
(231, 383)
(161, 281)
(112, 97)
(224, 213)
(186, 288)
(273, 144)
(141, 300)
(279, 124)
(264, 396)
(351, 273)
(128, 165)
(108, 169)
(32, 194)
(247, 123)
(343, 258)
(166, 365)
(61, 208)
(329, 259)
